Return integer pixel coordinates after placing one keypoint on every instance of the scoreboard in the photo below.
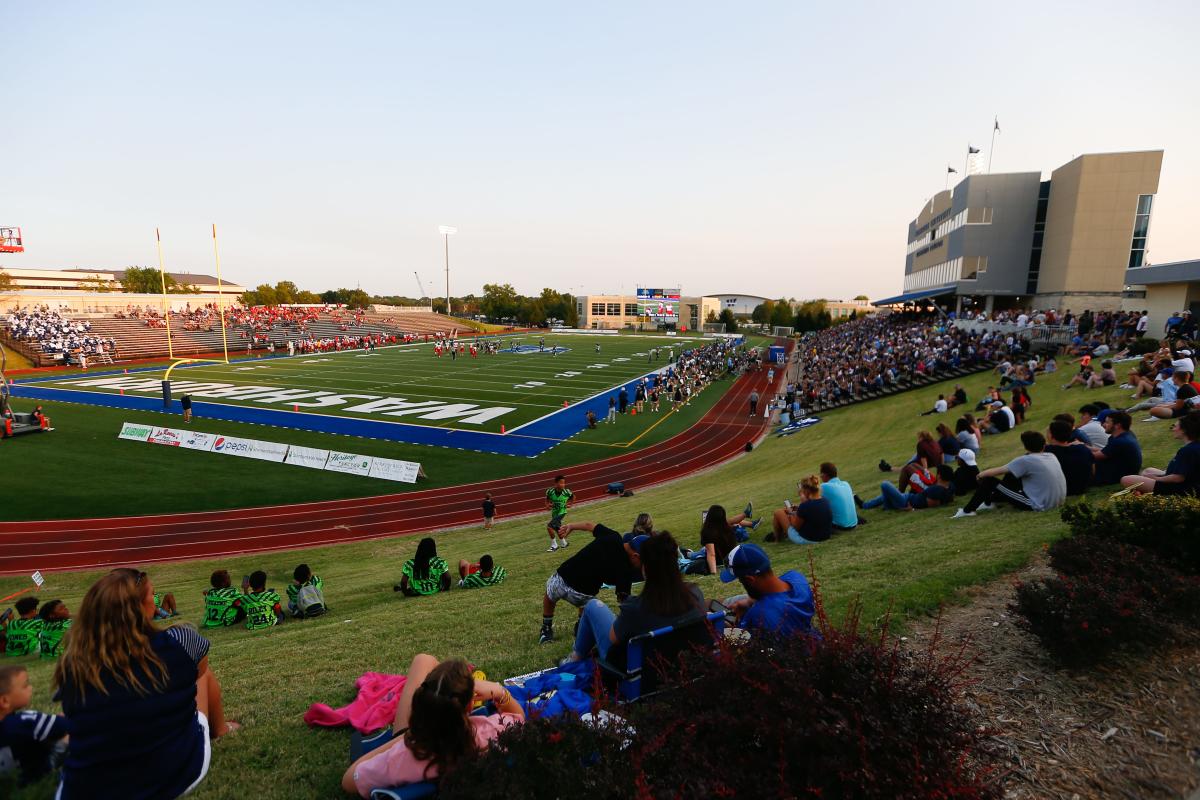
(661, 305)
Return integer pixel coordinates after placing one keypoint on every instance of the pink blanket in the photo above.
(374, 708)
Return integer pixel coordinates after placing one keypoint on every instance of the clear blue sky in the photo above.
(769, 148)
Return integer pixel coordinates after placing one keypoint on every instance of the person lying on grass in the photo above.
(142, 703)
(1182, 475)
(666, 599)
(481, 574)
(56, 619)
(434, 729)
(891, 498)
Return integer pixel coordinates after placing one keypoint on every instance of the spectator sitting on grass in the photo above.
(30, 736)
(718, 537)
(1185, 393)
(1076, 459)
(306, 593)
(1031, 482)
(1094, 433)
(142, 702)
(939, 493)
(223, 604)
(263, 606)
(164, 605)
(608, 558)
(948, 442)
(966, 475)
(840, 496)
(1122, 455)
(434, 725)
(807, 523)
(666, 600)
(21, 634)
(56, 619)
(773, 604)
(477, 576)
(918, 469)
(1000, 419)
(939, 407)
(959, 398)
(425, 573)
(1182, 475)
(965, 432)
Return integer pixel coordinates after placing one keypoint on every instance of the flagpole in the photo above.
(992, 146)
(162, 274)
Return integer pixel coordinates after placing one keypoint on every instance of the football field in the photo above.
(528, 381)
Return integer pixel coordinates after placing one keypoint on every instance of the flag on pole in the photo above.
(996, 127)
(972, 150)
(951, 169)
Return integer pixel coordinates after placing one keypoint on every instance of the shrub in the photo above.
(1080, 620)
(847, 717)
(1167, 526)
(1139, 347)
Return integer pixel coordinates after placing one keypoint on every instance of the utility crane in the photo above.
(420, 285)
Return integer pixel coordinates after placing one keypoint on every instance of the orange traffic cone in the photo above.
(564, 403)
(633, 411)
(501, 427)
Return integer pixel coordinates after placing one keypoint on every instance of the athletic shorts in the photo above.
(557, 589)
(556, 521)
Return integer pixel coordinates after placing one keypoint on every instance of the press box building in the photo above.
(1013, 239)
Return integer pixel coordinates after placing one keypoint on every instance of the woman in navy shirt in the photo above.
(141, 702)
(812, 520)
(1182, 475)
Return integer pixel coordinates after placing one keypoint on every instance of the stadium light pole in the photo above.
(446, 231)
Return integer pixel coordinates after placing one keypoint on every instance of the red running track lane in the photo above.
(92, 543)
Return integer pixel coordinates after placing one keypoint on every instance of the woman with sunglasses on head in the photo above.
(142, 703)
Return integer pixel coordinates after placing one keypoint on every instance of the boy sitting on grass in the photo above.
(164, 605)
(56, 618)
(21, 633)
(263, 608)
(223, 604)
(306, 593)
(31, 736)
(477, 576)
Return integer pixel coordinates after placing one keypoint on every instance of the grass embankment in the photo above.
(909, 562)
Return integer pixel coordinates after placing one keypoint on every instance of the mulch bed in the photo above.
(1128, 729)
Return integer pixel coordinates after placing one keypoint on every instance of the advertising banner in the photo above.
(195, 440)
(310, 457)
(389, 469)
(250, 448)
(164, 436)
(135, 432)
(349, 463)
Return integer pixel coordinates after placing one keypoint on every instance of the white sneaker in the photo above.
(1150, 419)
(552, 548)
(987, 507)
(963, 513)
(564, 543)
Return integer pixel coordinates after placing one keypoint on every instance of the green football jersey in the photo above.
(260, 609)
(221, 607)
(293, 589)
(23, 635)
(558, 500)
(478, 581)
(52, 637)
(432, 582)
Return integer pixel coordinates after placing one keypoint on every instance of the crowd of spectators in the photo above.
(52, 333)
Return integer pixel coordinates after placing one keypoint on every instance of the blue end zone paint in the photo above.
(528, 440)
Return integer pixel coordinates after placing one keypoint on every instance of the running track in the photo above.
(93, 543)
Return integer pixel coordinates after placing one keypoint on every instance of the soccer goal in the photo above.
(783, 330)
(714, 327)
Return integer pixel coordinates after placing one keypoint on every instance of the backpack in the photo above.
(310, 601)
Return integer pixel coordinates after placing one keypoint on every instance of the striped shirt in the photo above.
(477, 580)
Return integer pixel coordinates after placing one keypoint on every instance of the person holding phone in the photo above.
(807, 523)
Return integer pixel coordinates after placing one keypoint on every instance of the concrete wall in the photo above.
(1164, 299)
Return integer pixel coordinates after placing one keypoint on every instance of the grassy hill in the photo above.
(906, 563)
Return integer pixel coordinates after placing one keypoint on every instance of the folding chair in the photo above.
(634, 667)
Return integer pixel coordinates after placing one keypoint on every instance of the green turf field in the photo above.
(410, 384)
(901, 563)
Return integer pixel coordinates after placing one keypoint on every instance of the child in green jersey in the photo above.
(306, 593)
(21, 633)
(223, 604)
(558, 499)
(477, 576)
(425, 573)
(56, 618)
(263, 608)
(164, 605)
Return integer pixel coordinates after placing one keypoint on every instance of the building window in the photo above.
(1141, 231)
(597, 309)
(631, 309)
(614, 309)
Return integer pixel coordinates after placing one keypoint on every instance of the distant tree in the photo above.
(762, 312)
(500, 300)
(285, 292)
(305, 296)
(94, 283)
(731, 325)
(861, 297)
(812, 316)
(265, 295)
(781, 314)
(146, 280)
(6, 282)
(711, 316)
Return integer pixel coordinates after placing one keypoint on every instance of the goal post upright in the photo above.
(220, 295)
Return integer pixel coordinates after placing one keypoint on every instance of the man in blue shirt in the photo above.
(781, 605)
(1122, 455)
(840, 496)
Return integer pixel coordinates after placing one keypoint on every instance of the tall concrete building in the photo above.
(1007, 240)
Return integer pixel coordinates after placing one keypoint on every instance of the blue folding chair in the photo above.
(626, 665)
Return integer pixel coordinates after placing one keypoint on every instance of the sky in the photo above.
(777, 149)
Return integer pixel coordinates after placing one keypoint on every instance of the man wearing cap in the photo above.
(609, 558)
(966, 475)
(774, 604)
(1185, 392)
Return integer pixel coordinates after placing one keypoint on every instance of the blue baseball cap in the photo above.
(636, 542)
(744, 560)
